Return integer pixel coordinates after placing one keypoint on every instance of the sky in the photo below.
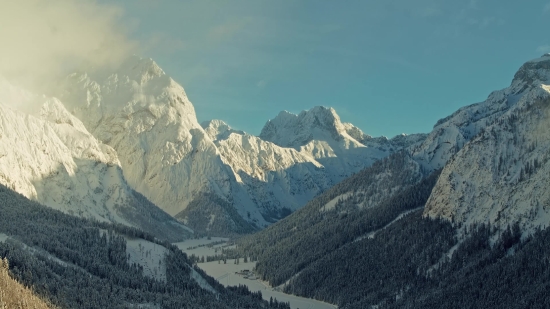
(388, 67)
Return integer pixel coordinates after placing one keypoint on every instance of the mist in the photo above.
(42, 40)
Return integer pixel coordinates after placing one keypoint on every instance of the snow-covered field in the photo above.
(149, 255)
(226, 275)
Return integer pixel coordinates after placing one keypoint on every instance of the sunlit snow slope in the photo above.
(47, 155)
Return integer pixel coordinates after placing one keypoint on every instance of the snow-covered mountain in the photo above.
(47, 154)
(341, 147)
(167, 156)
(147, 118)
(275, 178)
(501, 175)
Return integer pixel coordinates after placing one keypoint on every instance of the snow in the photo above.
(149, 255)
(202, 282)
(372, 234)
(226, 274)
(139, 121)
(199, 247)
(332, 203)
(3, 237)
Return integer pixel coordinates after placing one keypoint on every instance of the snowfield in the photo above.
(149, 255)
(226, 275)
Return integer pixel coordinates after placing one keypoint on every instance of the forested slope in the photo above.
(416, 263)
(77, 263)
(361, 204)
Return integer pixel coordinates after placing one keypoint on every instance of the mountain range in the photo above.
(135, 124)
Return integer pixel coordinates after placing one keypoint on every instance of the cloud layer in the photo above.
(42, 39)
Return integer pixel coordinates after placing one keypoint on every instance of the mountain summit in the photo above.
(341, 147)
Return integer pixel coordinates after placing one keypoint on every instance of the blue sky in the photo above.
(389, 67)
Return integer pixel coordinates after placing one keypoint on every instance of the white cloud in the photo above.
(41, 39)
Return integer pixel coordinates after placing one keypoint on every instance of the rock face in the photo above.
(501, 175)
(47, 154)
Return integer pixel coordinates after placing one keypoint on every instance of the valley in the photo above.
(227, 273)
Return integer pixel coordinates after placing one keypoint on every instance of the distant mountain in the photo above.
(47, 155)
(341, 147)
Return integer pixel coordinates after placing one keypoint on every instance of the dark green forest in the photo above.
(292, 244)
(78, 263)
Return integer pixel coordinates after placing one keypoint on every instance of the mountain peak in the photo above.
(218, 129)
(291, 130)
(141, 69)
(533, 72)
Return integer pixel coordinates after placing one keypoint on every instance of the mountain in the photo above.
(47, 155)
(274, 177)
(498, 176)
(341, 147)
(211, 177)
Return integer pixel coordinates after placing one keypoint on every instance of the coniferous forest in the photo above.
(77, 263)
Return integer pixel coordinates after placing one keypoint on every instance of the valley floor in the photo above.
(227, 275)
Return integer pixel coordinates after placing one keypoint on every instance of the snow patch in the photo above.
(149, 255)
(332, 203)
(202, 282)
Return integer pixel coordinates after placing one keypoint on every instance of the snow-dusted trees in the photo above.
(77, 263)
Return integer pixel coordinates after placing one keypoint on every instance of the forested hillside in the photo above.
(357, 206)
(415, 263)
(77, 263)
(209, 214)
